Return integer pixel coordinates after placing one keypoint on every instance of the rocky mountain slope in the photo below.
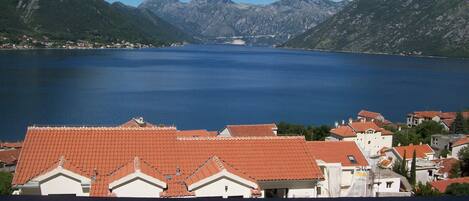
(94, 20)
(213, 20)
(411, 27)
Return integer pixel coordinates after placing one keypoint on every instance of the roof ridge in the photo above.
(268, 124)
(99, 128)
(243, 138)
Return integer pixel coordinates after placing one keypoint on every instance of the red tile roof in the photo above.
(445, 165)
(10, 157)
(351, 129)
(369, 114)
(213, 166)
(196, 133)
(100, 151)
(426, 114)
(337, 152)
(11, 145)
(421, 151)
(443, 184)
(252, 130)
(462, 141)
(133, 166)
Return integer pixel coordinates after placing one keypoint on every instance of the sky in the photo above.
(137, 2)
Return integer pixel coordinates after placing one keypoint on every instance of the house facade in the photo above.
(442, 142)
(458, 145)
(161, 162)
(426, 168)
(369, 137)
(446, 119)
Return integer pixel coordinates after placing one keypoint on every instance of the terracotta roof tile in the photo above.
(213, 166)
(196, 133)
(445, 165)
(462, 141)
(369, 114)
(252, 130)
(98, 152)
(11, 145)
(133, 166)
(443, 184)
(421, 151)
(337, 152)
(426, 114)
(10, 157)
(351, 129)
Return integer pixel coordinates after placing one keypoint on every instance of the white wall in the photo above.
(138, 188)
(225, 133)
(423, 176)
(62, 184)
(217, 189)
(302, 193)
(371, 144)
(395, 185)
(456, 150)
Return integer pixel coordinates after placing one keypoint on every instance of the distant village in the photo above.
(362, 156)
(28, 42)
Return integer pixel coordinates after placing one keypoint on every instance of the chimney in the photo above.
(399, 144)
(343, 122)
(400, 128)
(350, 120)
(336, 124)
(421, 143)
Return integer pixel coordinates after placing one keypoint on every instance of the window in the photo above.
(226, 188)
(352, 159)
(389, 184)
(430, 173)
(369, 142)
(318, 190)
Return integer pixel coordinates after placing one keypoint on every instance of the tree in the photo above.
(413, 169)
(428, 128)
(310, 132)
(455, 171)
(320, 133)
(425, 190)
(403, 170)
(5, 183)
(463, 156)
(458, 189)
(458, 124)
(444, 153)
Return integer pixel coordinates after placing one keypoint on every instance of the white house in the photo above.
(344, 166)
(369, 137)
(458, 145)
(426, 168)
(160, 162)
(390, 184)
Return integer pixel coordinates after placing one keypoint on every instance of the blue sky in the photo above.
(136, 2)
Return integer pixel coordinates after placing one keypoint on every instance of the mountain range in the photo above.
(94, 20)
(219, 20)
(408, 27)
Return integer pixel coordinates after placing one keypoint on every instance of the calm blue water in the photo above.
(208, 87)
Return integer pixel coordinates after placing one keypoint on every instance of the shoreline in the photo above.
(372, 53)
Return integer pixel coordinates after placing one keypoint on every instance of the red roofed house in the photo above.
(416, 118)
(458, 145)
(158, 162)
(446, 119)
(443, 184)
(372, 116)
(8, 159)
(342, 164)
(368, 136)
(444, 167)
(249, 130)
(426, 167)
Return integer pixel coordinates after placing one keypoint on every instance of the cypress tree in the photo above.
(403, 170)
(458, 124)
(413, 169)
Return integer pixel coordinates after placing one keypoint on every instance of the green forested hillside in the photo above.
(94, 20)
(415, 27)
